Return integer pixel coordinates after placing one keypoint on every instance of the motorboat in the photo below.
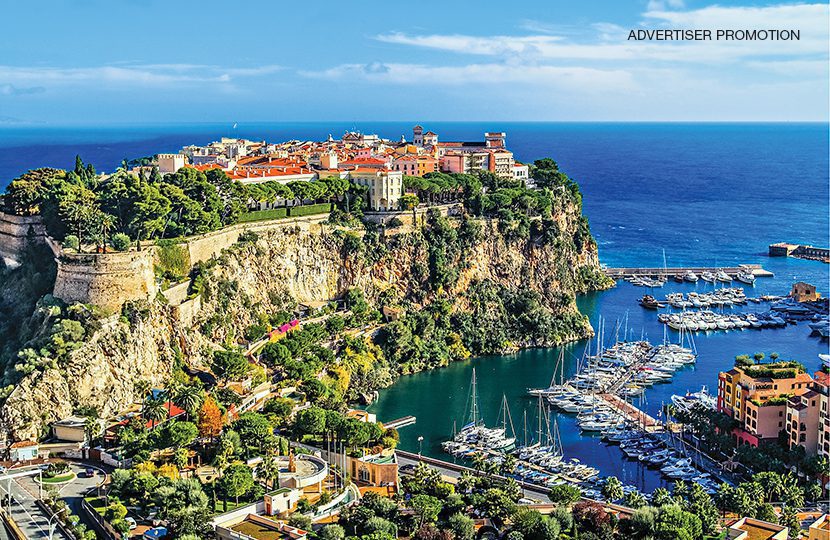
(690, 276)
(746, 277)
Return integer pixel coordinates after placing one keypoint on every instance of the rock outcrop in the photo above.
(259, 275)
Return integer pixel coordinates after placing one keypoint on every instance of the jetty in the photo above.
(732, 271)
(631, 413)
(400, 422)
(800, 251)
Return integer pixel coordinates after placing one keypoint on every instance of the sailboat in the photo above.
(476, 435)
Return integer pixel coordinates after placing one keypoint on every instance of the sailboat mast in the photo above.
(474, 406)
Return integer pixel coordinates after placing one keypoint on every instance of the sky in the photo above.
(146, 61)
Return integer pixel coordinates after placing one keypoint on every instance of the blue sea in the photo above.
(703, 194)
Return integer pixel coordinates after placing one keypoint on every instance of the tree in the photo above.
(155, 409)
(210, 419)
(661, 497)
(612, 490)
(120, 242)
(332, 532)
(182, 434)
(230, 365)
(564, 494)
(237, 481)
(269, 470)
(462, 527)
(426, 507)
(311, 421)
(189, 398)
(635, 499)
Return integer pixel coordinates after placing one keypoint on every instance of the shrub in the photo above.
(394, 222)
(307, 210)
(71, 241)
(173, 261)
(261, 215)
(120, 242)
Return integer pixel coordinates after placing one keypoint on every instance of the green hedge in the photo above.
(260, 215)
(279, 213)
(322, 208)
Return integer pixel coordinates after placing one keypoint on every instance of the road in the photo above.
(452, 470)
(33, 521)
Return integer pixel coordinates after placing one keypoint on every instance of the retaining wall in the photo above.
(15, 231)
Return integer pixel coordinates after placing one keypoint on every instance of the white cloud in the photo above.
(157, 75)
(659, 5)
(490, 74)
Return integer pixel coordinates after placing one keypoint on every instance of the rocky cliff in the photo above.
(273, 269)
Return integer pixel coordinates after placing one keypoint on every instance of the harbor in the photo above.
(512, 375)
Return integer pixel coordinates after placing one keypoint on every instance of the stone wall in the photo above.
(107, 279)
(110, 279)
(206, 246)
(14, 232)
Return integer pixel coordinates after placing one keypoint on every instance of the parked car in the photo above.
(90, 472)
(131, 522)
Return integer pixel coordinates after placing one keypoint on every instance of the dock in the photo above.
(799, 251)
(633, 414)
(731, 271)
(400, 422)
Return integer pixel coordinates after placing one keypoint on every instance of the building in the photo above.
(385, 187)
(820, 529)
(418, 136)
(803, 421)
(24, 451)
(804, 292)
(822, 381)
(415, 165)
(170, 163)
(757, 396)
(70, 429)
(754, 529)
(254, 527)
(521, 172)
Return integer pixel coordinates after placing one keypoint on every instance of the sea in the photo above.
(701, 194)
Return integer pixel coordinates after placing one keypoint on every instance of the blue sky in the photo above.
(106, 61)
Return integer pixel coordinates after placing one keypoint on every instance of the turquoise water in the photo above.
(707, 194)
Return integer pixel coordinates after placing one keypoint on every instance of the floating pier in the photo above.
(621, 273)
(400, 422)
(633, 414)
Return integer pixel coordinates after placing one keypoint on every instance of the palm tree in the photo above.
(107, 223)
(269, 470)
(188, 398)
(142, 388)
(155, 409)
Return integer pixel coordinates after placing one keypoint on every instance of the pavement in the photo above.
(452, 472)
(32, 520)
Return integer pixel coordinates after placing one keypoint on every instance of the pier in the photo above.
(784, 249)
(633, 414)
(400, 422)
(731, 271)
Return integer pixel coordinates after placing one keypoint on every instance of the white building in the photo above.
(170, 163)
(385, 187)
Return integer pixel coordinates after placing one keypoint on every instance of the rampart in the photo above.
(15, 232)
(110, 279)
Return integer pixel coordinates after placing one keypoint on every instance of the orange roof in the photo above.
(23, 444)
(364, 161)
(205, 166)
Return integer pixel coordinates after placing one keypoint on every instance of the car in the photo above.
(90, 472)
(2, 469)
(407, 469)
(131, 522)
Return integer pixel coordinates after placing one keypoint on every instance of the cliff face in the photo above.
(263, 274)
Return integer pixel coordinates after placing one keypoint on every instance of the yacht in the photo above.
(708, 277)
(746, 277)
(723, 277)
(690, 276)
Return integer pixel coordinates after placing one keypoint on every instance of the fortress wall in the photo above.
(110, 279)
(107, 280)
(14, 233)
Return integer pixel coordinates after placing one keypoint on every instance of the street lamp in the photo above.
(52, 525)
(420, 443)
